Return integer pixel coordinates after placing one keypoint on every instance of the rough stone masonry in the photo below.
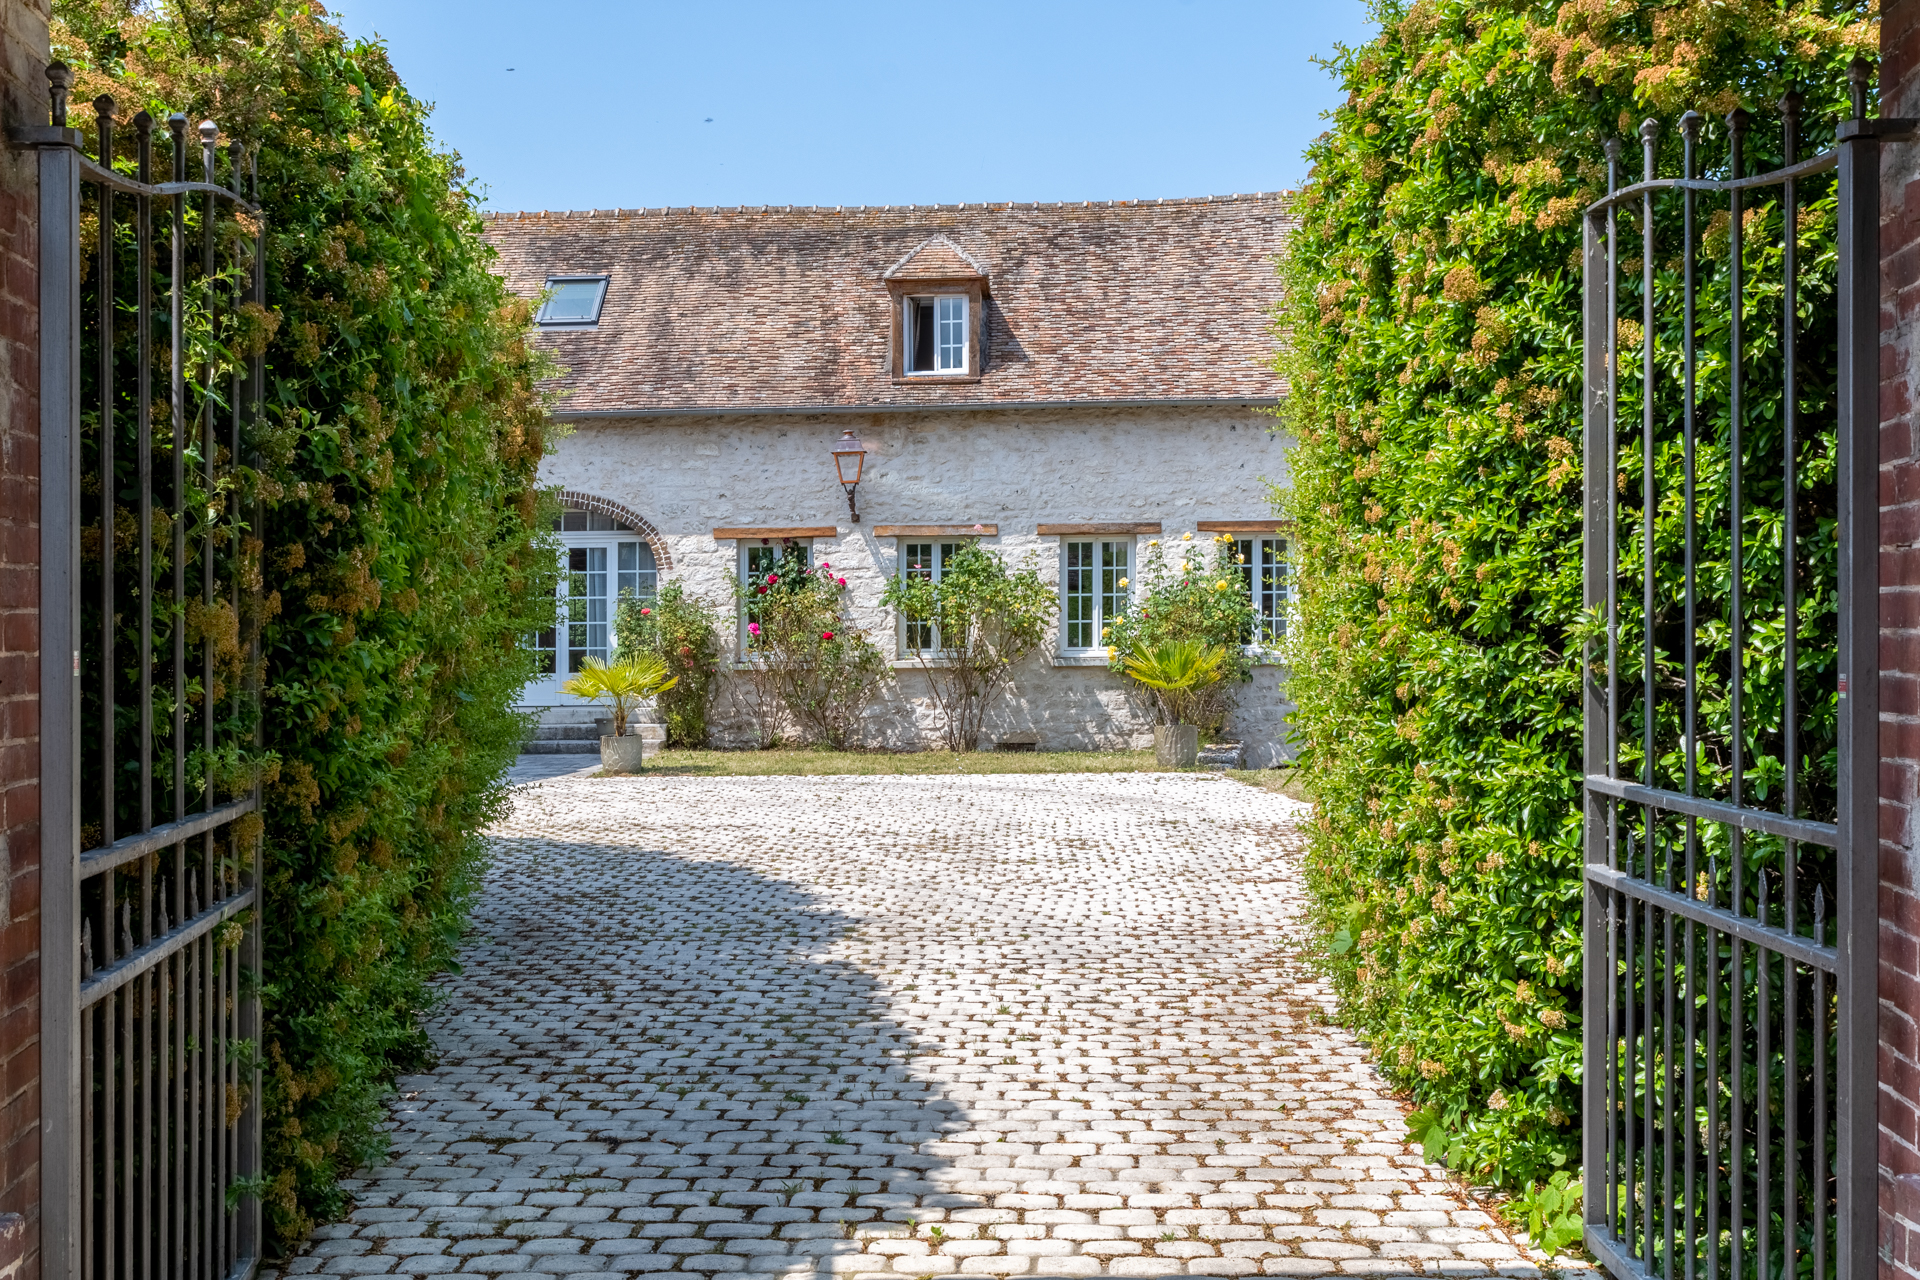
(913, 1026)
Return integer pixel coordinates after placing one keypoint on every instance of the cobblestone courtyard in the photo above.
(1005, 1025)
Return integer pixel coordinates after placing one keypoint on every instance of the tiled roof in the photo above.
(779, 307)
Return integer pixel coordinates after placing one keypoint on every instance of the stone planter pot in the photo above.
(1176, 746)
(622, 755)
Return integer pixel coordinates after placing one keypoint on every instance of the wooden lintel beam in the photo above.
(1123, 526)
(936, 530)
(1240, 526)
(778, 531)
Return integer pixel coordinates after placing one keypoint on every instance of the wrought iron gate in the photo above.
(150, 945)
(1731, 790)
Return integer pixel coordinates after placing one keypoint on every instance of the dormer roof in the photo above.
(936, 258)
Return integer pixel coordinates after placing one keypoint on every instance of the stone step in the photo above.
(1223, 755)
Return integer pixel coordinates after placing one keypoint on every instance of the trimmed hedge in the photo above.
(1432, 334)
(403, 554)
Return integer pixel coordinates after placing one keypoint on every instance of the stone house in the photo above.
(1066, 382)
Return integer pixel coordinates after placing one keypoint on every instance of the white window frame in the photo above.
(547, 320)
(944, 325)
(1268, 573)
(1107, 599)
(745, 554)
(934, 567)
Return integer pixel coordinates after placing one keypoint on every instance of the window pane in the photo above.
(1271, 603)
(917, 560)
(638, 580)
(920, 310)
(586, 605)
(1078, 595)
(1114, 559)
(757, 563)
(953, 334)
(573, 301)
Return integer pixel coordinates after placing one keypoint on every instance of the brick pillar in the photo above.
(23, 100)
(1899, 1101)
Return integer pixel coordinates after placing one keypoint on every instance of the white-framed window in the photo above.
(935, 330)
(757, 560)
(1263, 563)
(1094, 577)
(573, 300)
(926, 560)
(602, 563)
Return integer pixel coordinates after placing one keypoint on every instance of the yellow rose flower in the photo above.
(1154, 542)
(1123, 582)
(1186, 537)
(1219, 586)
(1183, 566)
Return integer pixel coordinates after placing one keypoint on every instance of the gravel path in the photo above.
(1036, 1025)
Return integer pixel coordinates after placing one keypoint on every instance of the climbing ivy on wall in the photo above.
(403, 555)
(1432, 343)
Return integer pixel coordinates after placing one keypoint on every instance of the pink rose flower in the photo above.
(841, 581)
(826, 635)
(753, 628)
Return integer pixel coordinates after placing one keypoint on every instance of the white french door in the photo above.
(597, 571)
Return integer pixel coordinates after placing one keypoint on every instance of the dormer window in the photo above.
(937, 329)
(573, 301)
(939, 296)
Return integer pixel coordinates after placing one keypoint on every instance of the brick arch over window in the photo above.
(662, 558)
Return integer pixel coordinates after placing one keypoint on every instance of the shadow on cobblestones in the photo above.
(807, 1027)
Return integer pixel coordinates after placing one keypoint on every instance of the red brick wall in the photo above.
(1899, 1102)
(23, 100)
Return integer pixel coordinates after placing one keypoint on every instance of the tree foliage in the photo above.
(402, 555)
(1432, 335)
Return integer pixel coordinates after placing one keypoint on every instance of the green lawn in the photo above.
(755, 764)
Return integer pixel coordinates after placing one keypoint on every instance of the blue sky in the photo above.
(564, 104)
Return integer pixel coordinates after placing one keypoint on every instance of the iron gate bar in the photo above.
(1633, 1089)
(1727, 922)
(1767, 823)
(149, 1118)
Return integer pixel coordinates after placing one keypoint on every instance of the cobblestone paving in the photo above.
(1038, 1025)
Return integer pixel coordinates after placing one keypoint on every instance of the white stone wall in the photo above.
(1013, 468)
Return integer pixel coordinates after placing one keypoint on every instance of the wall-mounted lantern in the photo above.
(849, 457)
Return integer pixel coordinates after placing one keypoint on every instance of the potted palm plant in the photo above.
(622, 685)
(1176, 671)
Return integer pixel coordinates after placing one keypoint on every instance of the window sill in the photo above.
(934, 379)
(914, 664)
(1079, 659)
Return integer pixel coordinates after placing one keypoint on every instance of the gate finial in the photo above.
(59, 84)
(1649, 147)
(1738, 121)
(103, 114)
(1859, 80)
(209, 134)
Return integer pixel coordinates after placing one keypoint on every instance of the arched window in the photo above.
(604, 562)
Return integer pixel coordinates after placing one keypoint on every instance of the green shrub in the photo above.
(684, 631)
(985, 618)
(402, 557)
(1433, 321)
(804, 656)
(1197, 593)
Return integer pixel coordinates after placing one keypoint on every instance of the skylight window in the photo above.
(573, 300)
